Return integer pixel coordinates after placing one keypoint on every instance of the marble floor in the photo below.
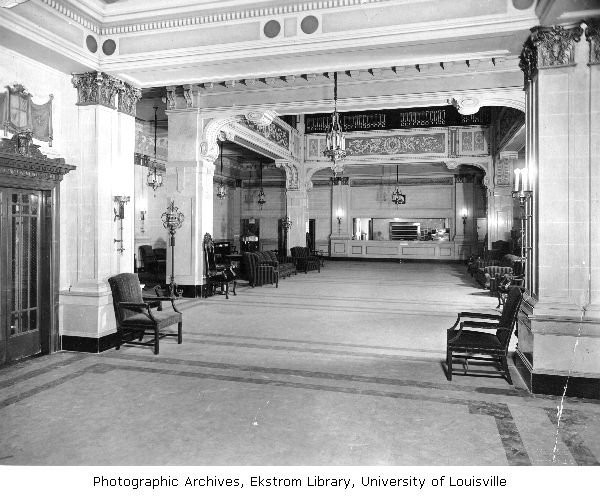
(338, 368)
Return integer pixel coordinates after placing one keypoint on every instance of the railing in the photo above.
(397, 119)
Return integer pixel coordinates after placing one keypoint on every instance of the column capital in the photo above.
(128, 98)
(592, 35)
(96, 88)
(294, 175)
(552, 46)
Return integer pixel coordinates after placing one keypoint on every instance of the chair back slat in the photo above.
(509, 315)
(125, 287)
(209, 253)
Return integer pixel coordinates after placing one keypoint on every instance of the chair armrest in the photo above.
(478, 325)
(160, 299)
(130, 305)
(473, 315)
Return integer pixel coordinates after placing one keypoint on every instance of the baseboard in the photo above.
(87, 344)
(577, 387)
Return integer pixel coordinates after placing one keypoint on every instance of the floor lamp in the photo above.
(172, 220)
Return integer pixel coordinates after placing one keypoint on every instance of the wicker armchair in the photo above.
(135, 316)
(304, 260)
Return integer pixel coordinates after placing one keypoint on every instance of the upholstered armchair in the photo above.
(304, 260)
(135, 315)
(258, 272)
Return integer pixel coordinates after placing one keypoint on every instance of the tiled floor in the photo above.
(338, 368)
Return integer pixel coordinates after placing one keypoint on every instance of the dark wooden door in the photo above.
(20, 262)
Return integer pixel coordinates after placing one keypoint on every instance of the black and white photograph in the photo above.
(299, 246)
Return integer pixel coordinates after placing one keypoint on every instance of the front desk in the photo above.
(417, 250)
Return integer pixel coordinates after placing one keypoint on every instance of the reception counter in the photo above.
(418, 250)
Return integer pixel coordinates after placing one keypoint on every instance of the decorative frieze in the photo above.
(549, 47)
(128, 98)
(339, 181)
(96, 88)
(414, 144)
(273, 132)
(592, 35)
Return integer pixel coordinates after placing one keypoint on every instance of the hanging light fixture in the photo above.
(154, 178)
(286, 222)
(221, 190)
(397, 197)
(335, 148)
(261, 195)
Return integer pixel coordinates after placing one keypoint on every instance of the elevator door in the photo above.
(20, 226)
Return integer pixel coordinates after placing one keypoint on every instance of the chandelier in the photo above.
(335, 148)
(261, 195)
(397, 197)
(221, 190)
(154, 178)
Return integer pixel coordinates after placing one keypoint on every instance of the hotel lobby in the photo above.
(417, 154)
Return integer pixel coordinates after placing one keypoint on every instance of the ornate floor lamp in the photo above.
(172, 220)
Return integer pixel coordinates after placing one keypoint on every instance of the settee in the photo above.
(490, 271)
(284, 265)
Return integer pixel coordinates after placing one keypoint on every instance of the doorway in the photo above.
(22, 303)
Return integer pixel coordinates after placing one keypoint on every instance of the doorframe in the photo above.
(23, 166)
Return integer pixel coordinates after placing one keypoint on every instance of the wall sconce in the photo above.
(119, 216)
(120, 210)
(523, 184)
(464, 216)
(142, 219)
(339, 214)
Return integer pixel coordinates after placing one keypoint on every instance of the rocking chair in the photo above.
(469, 344)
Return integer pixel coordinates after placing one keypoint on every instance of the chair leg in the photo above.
(449, 365)
(179, 332)
(234, 283)
(226, 290)
(119, 340)
(156, 340)
(506, 371)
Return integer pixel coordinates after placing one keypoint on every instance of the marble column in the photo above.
(189, 183)
(341, 223)
(107, 137)
(559, 338)
(297, 211)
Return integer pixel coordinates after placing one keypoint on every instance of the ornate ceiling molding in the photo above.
(103, 25)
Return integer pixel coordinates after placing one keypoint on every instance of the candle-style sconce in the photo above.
(142, 220)
(523, 185)
(340, 215)
(523, 191)
(464, 214)
(120, 216)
